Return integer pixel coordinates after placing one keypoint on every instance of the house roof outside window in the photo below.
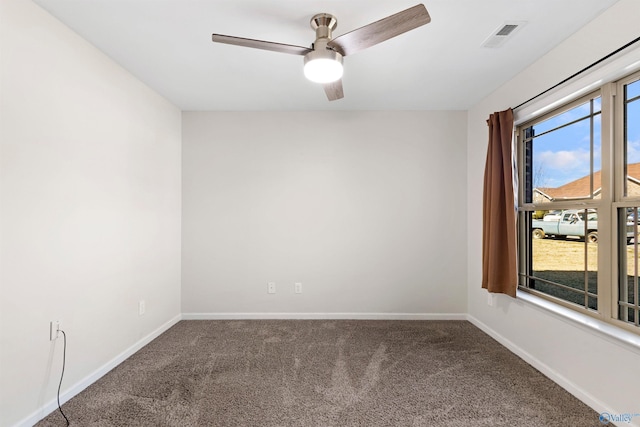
(580, 188)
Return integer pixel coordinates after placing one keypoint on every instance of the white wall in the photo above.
(90, 215)
(366, 209)
(599, 371)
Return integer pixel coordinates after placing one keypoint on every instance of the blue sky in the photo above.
(563, 155)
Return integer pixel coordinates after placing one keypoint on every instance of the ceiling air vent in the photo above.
(502, 33)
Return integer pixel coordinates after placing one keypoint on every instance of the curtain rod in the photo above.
(588, 67)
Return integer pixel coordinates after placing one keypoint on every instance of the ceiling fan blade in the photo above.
(261, 44)
(334, 90)
(381, 30)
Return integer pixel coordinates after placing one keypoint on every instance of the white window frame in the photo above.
(607, 78)
(619, 199)
(600, 204)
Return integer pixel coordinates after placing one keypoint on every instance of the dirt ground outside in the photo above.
(563, 261)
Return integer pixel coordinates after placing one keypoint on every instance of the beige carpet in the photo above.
(324, 373)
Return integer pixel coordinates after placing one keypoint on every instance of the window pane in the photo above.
(633, 89)
(597, 107)
(632, 139)
(564, 153)
(579, 112)
(629, 267)
(563, 263)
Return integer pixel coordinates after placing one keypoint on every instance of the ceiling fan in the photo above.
(323, 60)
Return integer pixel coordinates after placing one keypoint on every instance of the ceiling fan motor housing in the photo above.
(323, 24)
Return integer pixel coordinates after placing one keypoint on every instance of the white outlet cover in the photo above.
(54, 330)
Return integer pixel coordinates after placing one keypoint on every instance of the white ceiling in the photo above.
(167, 44)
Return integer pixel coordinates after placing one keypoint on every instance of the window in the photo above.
(579, 202)
(628, 202)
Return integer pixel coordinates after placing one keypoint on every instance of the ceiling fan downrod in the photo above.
(323, 24)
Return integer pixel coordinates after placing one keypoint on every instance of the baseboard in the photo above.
(96, 375)
(320, 316)
(553, 375)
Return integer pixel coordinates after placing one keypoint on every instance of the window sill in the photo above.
(608, 331)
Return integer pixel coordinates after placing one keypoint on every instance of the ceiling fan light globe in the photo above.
(323, 70)
(323, 65)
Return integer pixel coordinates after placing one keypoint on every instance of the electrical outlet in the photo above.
(271, 287)
(54, 328)
(297, 287)
(490, 300)
(141, 308)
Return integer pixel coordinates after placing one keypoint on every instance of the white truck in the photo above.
(571, 222)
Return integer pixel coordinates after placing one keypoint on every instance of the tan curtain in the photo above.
(499, 273)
